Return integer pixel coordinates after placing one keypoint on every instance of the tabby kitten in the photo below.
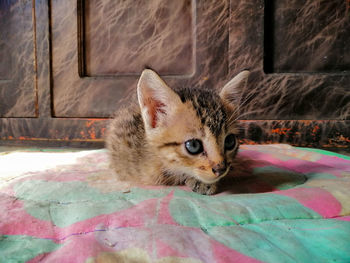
(183, 137)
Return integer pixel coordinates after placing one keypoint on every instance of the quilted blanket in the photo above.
(288, 205)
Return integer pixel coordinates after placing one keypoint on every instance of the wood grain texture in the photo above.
(18, 97)
(317, 134)
(284, 96)
(157, 33)
(83, 76)
(206, 38)
(312, 37)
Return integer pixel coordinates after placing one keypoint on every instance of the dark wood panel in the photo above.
(136, 33)
(77, 96)
(305, 133)
(18, 96)
(298, 108)
(318, 134)
(285, 96)
(52, 129)
(309, 36)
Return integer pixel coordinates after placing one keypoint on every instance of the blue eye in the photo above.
(194, 146)
(230, 142)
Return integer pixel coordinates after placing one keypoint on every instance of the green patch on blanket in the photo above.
(18, 248)
(65, 203)
(304, 240)
(205, 212)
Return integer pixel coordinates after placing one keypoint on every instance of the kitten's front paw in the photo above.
(201, 188)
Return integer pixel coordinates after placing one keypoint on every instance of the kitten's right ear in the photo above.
(156, 99)
(232, 91)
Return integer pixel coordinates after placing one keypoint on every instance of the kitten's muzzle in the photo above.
(220, 169)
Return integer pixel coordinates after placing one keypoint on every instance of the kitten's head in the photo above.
(193, 131)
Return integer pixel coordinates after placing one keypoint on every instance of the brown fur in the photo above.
(147, 141)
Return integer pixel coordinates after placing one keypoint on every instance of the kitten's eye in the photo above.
(230, 142)
(194, 146)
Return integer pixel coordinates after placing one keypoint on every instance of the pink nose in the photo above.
(220, 168)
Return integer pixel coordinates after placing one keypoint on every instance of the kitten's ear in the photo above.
(232, 91)
(156, 99)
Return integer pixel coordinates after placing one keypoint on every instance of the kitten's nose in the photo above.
(220, 168)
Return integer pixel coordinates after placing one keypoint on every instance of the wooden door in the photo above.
(99, 49)
(18, 97)
(299, 53)
(88, 55)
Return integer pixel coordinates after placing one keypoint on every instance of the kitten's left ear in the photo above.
(157, 101)
(232, 91)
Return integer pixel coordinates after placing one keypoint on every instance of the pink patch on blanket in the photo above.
(14, 220)
(339, 166)
(136, 216)
(224, 254)
(335, 162)
(318, 200)
(322, 166)
(164, 216)
(78, 249)
(343, 218)
(259, 158)
(38, 258)
(326, 164)
(164, 250)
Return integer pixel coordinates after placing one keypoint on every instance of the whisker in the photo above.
(234, 116)
(241, 103)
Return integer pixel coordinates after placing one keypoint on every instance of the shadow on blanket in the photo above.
(256, 176)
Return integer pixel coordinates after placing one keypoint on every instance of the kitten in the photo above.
(183, 137)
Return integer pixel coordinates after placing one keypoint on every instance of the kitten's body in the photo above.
(147, 141)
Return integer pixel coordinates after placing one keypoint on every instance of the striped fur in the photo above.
(147, 141)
